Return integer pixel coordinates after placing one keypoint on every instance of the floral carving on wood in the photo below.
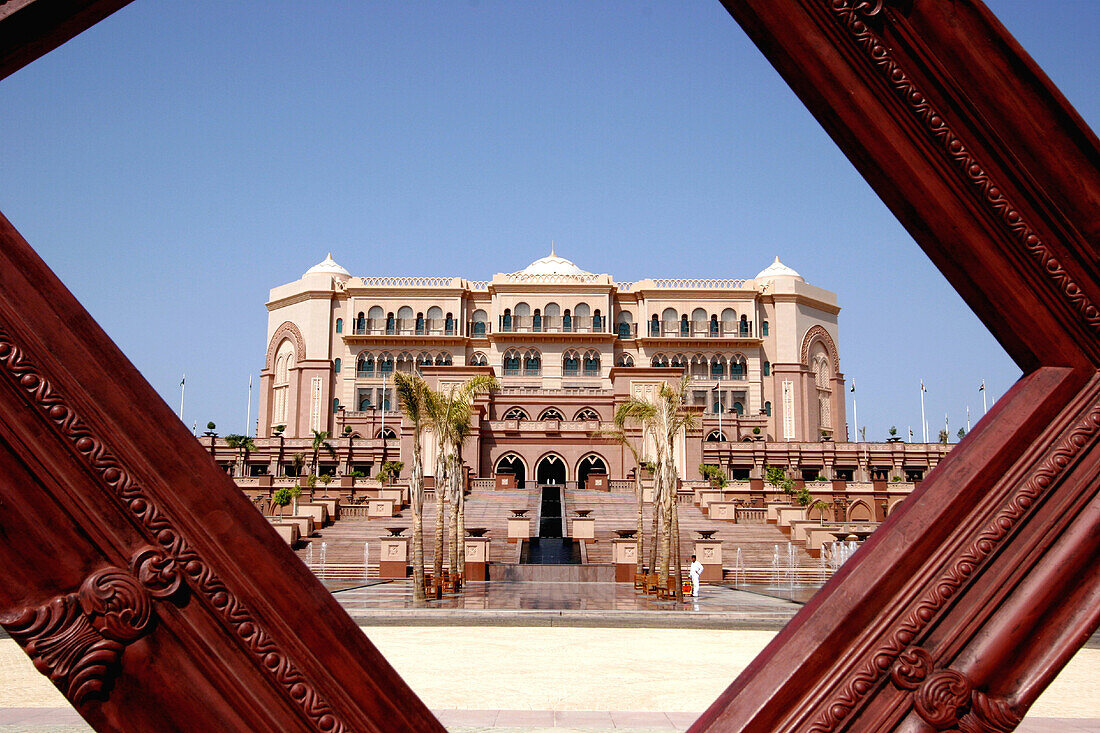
(974, 172)
(76, 640)
(80, 662)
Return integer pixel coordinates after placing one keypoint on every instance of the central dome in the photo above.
(552, 265)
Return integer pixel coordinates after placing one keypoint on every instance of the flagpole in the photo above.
(985, 409)
(923, 421)
(248, 413)
(183, 389)
(383, 433)
(968, 418)
(855, 409)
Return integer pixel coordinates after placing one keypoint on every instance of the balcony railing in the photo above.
(701, 329)
(552, 324)
(405, 327)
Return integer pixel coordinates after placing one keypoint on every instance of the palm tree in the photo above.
(665, 418)
(640, 411)
(448, 410)
(413, 396)
(242, 444)
(320, 440)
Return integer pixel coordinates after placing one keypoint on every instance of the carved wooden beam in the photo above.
(139, 579)
(964, 605)
(145, 586)
(31, 28)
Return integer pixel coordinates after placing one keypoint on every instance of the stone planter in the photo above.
(393, 561)
(625, 554)
(476, 551)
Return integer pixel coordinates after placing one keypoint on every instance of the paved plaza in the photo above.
(526, 657)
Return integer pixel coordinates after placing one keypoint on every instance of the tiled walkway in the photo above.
(562, 657)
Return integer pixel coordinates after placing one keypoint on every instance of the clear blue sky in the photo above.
(178, 160)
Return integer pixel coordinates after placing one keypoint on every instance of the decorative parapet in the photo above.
(412, 282)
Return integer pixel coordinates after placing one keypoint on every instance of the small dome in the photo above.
(778, 269)
(327, 266)
(552, 265)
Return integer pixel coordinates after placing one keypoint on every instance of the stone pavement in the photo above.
(518, 664)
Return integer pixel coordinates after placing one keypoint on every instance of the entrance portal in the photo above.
(551, 470)
(512, 464)
(588, 465)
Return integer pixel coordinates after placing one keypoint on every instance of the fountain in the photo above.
(324, 552)
(366, 554)
(791, 562)
(309, 556)
(775, 566)
(739, 568)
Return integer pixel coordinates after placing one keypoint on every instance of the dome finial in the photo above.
(552, 248)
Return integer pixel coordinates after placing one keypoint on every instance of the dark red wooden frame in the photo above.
(141, 581)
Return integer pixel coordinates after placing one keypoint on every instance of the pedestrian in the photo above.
(695, 571)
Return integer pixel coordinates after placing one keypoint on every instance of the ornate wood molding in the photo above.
(954, 615)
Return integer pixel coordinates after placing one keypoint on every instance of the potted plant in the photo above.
(756, 433)
(714, 474)
(893, 435)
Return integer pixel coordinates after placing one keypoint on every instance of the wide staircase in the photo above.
(345, 540)
(339, 551)
(759, 543)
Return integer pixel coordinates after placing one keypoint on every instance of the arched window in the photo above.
(744, 325)
(478, 359)
(443, 358)
(655, 326)
(424, 359)
(717, 406)
(625, 360)
(570, 363)
(737, 367)
(511, 362)
(767, 369)
(405, 362)
(624, 326)
(449, 325)
(516, 413)
(336, 364)
(567, 321)
(729, 322)
(699, 366)
(385, 363)
(284, 362)
(764, 328)
(419, 324)
(481, 322)
(361, 323)
(597, 321)
(435, 319)
(591, 363)
(506, 320)
(669, 317)
(587, 414)
(659, 360)
(521, 317)
(768, 409)
(387, 433)
(679, 361)
(364, 401)
(738, 408)
(551, 413)
(698, 322)
(364, 365)
(714, 325)
(536, 320)
(391, 324)
(336, 405)
(718, 367)
(716, 437)
(339, 325)
(532, 363)
(582, 316)
(405, 320)
(685, 326)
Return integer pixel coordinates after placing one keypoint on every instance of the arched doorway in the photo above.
(511, 463)
(551, 470)
(588, 465)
